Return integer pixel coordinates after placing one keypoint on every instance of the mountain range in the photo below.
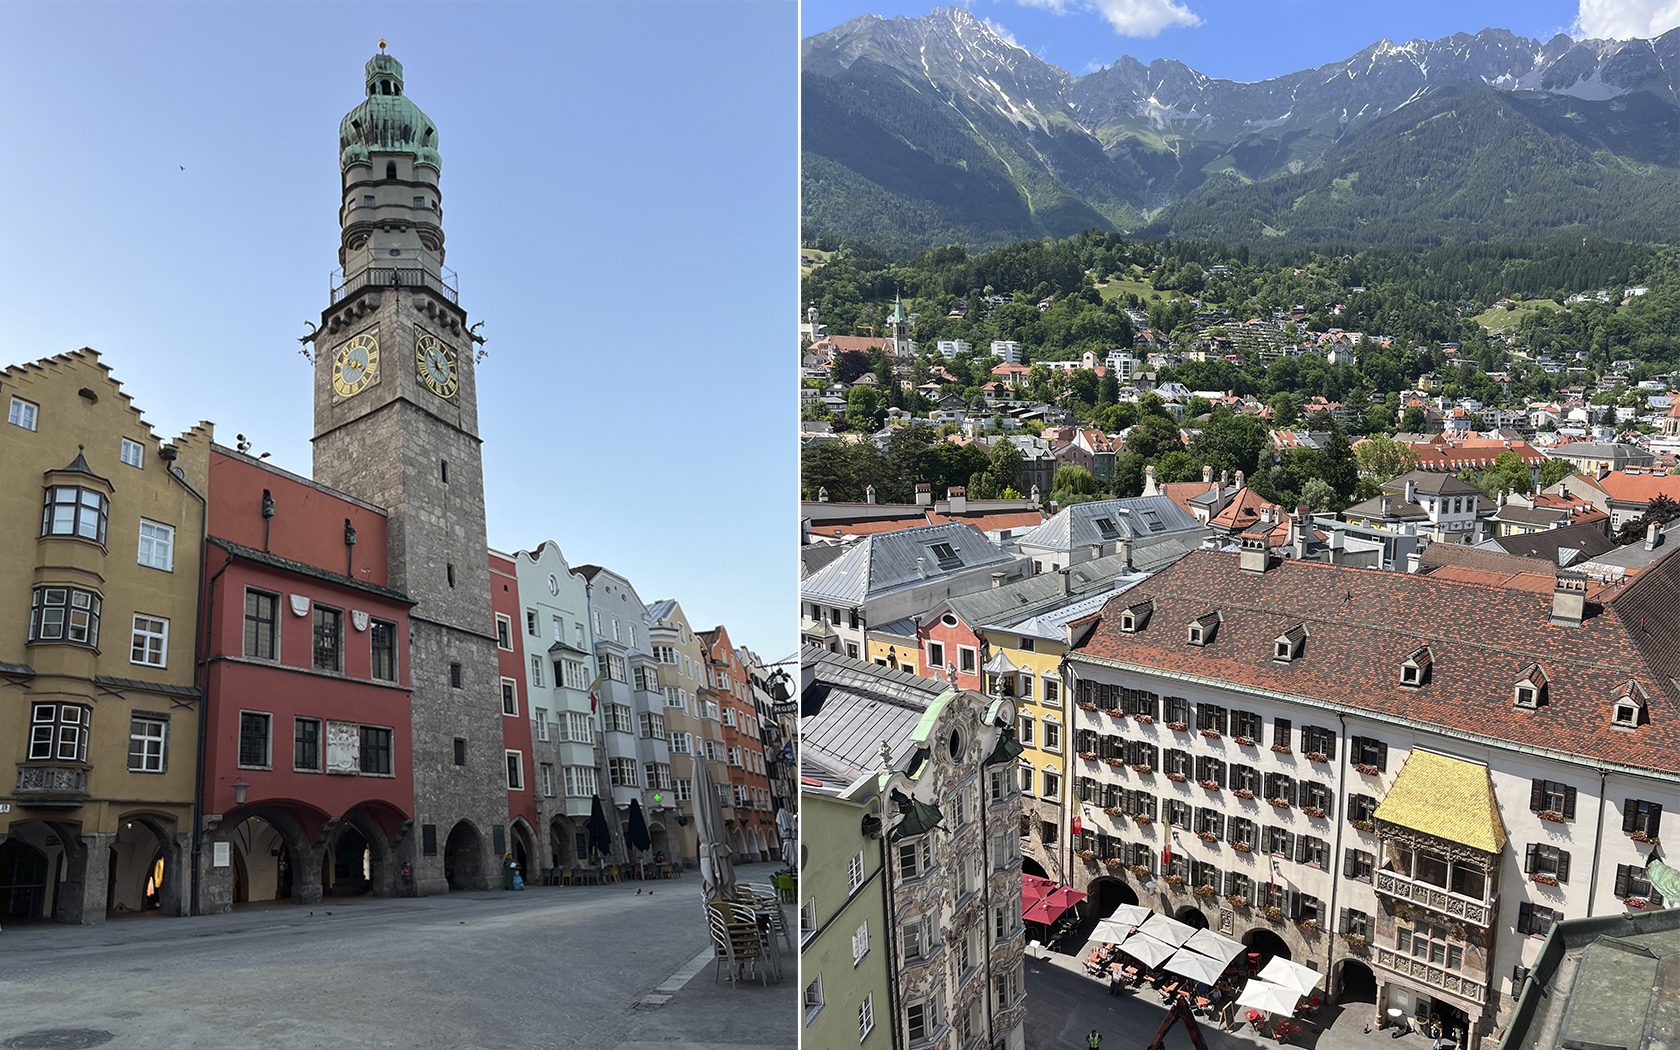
(935, 130)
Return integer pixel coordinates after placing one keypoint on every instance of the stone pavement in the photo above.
(553, 967)
(1064, 1004)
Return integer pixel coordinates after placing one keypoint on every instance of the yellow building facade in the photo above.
(99, 584)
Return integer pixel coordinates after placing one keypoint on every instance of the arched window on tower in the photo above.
(384, 87)
(391, 170)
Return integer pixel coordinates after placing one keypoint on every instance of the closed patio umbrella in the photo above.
(1112, 931)
(600, 833)
(637, 833)
(717, 871)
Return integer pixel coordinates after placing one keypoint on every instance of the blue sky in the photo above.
(619, 190)
(1256, 39)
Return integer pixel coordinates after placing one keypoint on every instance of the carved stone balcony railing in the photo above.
(1462, 985)
(1476, 913)
(46, 786)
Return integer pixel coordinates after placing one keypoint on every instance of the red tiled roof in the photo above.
(1643, 487)
(1363, 624)
(1244, 510)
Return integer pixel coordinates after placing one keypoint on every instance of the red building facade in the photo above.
(308, 777)
(743, 742)
(947, 642)
(523, 788)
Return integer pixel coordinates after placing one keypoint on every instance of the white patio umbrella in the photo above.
(1112, 931)
(1146, 949)
(1212, 944)
(1194, 965)
(1130, 914)
(1272, 998)
(1162, 928)
(717, 871)
(1291, 975)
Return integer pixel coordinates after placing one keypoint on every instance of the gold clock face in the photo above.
(434, 363)
(356, 365)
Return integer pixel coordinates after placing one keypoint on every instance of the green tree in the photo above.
(1382, 458)
(1508, 473)
(1318, 494)
(1285, 409)
(1339, 469)
(1553, 471)
(1073, 480)
(1662, 510)
(1415, 421)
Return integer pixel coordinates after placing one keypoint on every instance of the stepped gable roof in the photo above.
(1363, 624)
(1445, 797)
(1139, 518)
(889, 560)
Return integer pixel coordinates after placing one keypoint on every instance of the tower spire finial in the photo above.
(382, 45)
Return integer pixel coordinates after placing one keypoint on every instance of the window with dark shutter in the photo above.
(1624, 876)
(1519, 975)
(1281, 732)
(1525, 915)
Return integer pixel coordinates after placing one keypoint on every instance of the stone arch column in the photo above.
(215, 891)
(382, 865)
(173, 895)
(81, 898)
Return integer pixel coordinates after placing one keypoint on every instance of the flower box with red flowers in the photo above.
(1355, 940)
(1211, 734)
(1552, 815)
(1085, 854)
(1174, 880)
(1140, 819)
(1177, 778)
(1211, 785)
(1242, 847)
(1308, 925)
(1205, 891)
(1272, 912)
(1087, 707)
(1089, 756)
(1179, 727)
(1116, 763)
(1208, 836)
(1115, 712)
(1242, 793)
(1282, 749)
(1145, 720)
(1317, 756)
(1368, 770)
(1640, 836)
(1237, 900)
(1114, 863)
(1114, 811)
(1313, 811)
(1279, 803)
(1142, 769)
(1544, 879)
(1245, 741)
(1139, 870)
(1364, 825)
(1636, 902)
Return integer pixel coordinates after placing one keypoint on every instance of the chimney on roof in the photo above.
(1239, 484)
(1603, 471)
(1387, 505)
(1224, 478)
(1123, 547)
(1414, 559)
(869, 494)
(997, 580)
(1411, 491)
(921, 568)
(1207, 475)
(1096, 551)
(1563, 490)
(1500, 501)
(924, 495)
(1569, 600)
(1149, 488)
(1653, 536)
(1255, 555)
(822, 495)
(1034, 496)
(1301, 527)
(956, 498)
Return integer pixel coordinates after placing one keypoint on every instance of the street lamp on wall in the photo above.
(239, 789)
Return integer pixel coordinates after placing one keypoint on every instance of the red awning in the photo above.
(1050, 907)
(1034, 889)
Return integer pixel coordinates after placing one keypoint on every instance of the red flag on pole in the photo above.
(1166, 852)
(1078, 824)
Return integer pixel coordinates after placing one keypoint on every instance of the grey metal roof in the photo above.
(905, 628)
(1026, 594)
(889, 560)
(1049, 623)
(1586, 540)
(814, 556)
(1613, 451)
(849, 707)
(661, 609)
(1138, 518)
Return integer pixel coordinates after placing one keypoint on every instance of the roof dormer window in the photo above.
(1628, 712)
(1414, 671)
(1200, 631)
(1134, 617)
(1106, 527)
(1530, 690)
(1287, 646)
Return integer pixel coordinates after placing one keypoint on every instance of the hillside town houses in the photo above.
(233, 683)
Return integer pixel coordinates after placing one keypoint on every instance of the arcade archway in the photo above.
(144, 868)
(1190, 915)
(1266, 944)
(1033, 867)
(1355, 982)
(23, 882)
(463, 858)
(1108, 894)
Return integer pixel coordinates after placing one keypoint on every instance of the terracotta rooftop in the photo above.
(1362, 624)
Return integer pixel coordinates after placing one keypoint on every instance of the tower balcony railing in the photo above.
(397, 273)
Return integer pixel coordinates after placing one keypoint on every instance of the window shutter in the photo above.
(1342, 922)
(1563, 866)
(1630, 813)
(1537, 796)
(1528, 863)
(1356, 747)
(1280, 731)
(1656, 898)
(1569, 803)
(1623, 874)
(1653, 819)
(1525, 916)
(1347, 872)
(1289, 790)
(1294, 904)
(1330, 745)
(1519, 975)
(1288, 844)
(1382, 756)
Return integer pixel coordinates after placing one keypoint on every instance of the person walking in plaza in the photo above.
(1435, 1032)
(1094, 1040)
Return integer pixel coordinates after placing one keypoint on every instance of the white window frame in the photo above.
(936, 662)
(501, 619)
(138, 458)
(162, 641)
(516, 770)
(268, 759)
(147, 757)
(548, 779)
(23, 413)
(813, 999)
(540, 716)
(513, 684)
(167, 541)
(866, 1010)
(536, 670)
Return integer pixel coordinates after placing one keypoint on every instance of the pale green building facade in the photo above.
(844, 945)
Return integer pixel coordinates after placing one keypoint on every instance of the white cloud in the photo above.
(1148, 17)
(1130, 17)
(1002, 34)
(1626, 19)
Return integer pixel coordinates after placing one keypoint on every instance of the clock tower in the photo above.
(396, 424)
